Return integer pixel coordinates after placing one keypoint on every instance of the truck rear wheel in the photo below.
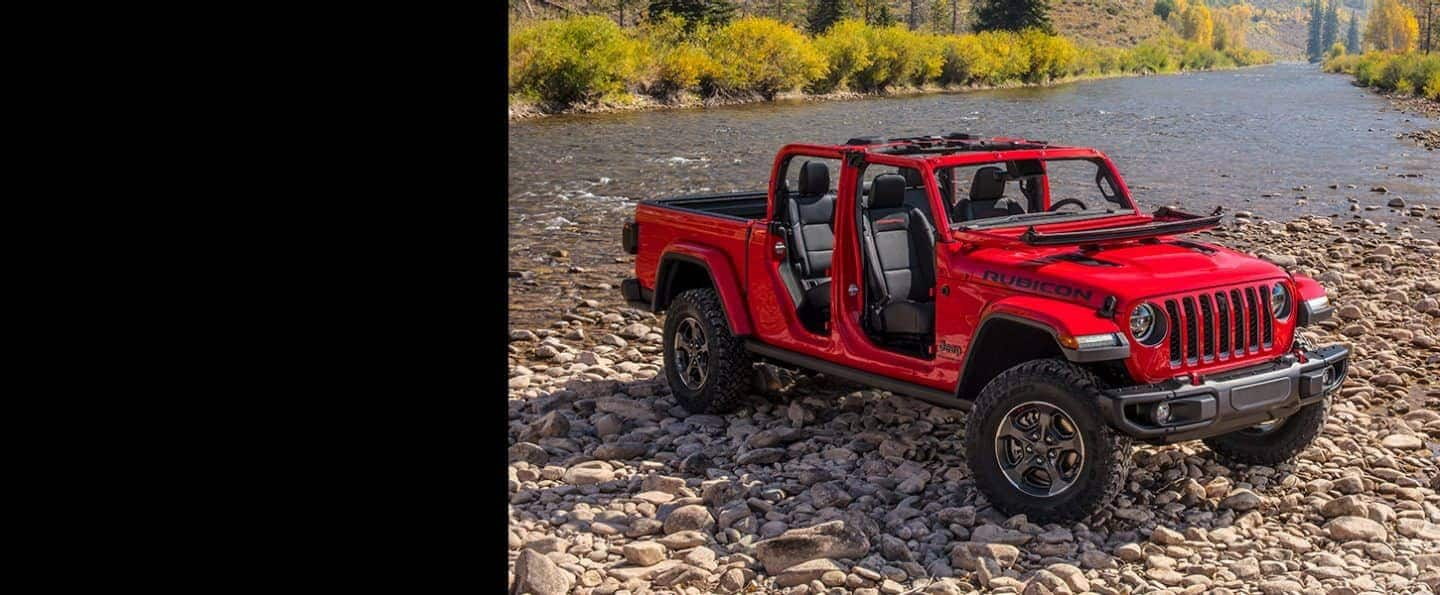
(1273, 442)
(707, 367)
(1037, 445)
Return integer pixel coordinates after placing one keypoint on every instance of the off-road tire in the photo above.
(1074, 391)
(1276, 446)
(730, 366)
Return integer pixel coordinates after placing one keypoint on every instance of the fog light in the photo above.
(1334, 375)
(1161, 414)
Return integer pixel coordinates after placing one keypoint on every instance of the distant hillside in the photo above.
(1279, 28)
(1283, 38)
(1284, 24)
(1122, 23)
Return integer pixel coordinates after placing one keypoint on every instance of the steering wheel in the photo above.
(1064, 201)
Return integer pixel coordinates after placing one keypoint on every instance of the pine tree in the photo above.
(875, 12)
(694, 11)
(1313, 49)
(1330, 30)
(1011, 15)
(882, 17)
(1352, 35)
(825, 13)
(1163, 8)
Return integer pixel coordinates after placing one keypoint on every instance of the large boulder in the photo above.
(967, 554)
(534, 573)
(693, 517)
(644, 553)
(1354, 528)
(834, 539)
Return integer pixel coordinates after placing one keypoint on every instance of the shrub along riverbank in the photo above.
(1409, 73)
(578, 62)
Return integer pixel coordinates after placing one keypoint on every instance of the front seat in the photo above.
(810, 214)
(987, 196)
(900, 260)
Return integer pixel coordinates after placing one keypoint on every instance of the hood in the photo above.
(1130, 271)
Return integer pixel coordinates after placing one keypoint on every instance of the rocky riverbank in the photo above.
(526, 110)
(821, 486)
(1420, 106)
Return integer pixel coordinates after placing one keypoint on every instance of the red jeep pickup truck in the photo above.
(1011, 278)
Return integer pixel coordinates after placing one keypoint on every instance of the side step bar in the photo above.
(933, 396)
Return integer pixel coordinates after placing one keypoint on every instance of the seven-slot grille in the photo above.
(1219, 325)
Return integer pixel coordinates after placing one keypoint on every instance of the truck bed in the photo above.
(737, 205)
(684, 224)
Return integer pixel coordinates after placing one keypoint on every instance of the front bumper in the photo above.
(1227, 402)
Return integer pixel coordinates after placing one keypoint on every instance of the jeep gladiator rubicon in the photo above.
(1011, 278)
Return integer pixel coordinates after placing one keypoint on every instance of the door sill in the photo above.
(924, 393)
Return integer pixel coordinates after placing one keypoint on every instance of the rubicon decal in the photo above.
(1051, 288)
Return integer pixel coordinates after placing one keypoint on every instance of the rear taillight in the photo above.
(630, 237)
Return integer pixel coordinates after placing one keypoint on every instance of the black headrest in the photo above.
(912, 177)
(814, 178)
(887, 191)
(989, 184)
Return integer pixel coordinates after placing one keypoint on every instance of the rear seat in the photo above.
(915, 197)
(810, 213)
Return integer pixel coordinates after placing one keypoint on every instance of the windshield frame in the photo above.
(1128, 207)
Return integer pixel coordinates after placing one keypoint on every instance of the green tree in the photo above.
(694, 11)
(825, 13)
(1163, 8)
(1011, 15)
(1352, 35)
(877, 13)
(938, 16)
(1330, 29)
(1312, 41)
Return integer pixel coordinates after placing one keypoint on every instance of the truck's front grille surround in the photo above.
(1219, 325)
(1174, 313)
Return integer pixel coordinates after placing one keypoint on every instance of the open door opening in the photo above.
(805, 218)
(897, 243)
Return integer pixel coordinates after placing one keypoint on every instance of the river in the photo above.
(1257, 139)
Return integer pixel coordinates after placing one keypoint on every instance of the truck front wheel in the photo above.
(1273, 442)
(1037, 445)
(707, 367)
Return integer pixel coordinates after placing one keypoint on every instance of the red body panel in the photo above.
(717, 242)
(980, 274)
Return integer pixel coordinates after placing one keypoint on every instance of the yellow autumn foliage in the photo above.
(577, 59)
(1392, 27)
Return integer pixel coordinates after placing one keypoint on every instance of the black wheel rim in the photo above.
(692, 353)
(1039, 449)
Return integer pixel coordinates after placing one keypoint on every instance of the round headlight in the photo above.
(1280, 302)
(1146, 325)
